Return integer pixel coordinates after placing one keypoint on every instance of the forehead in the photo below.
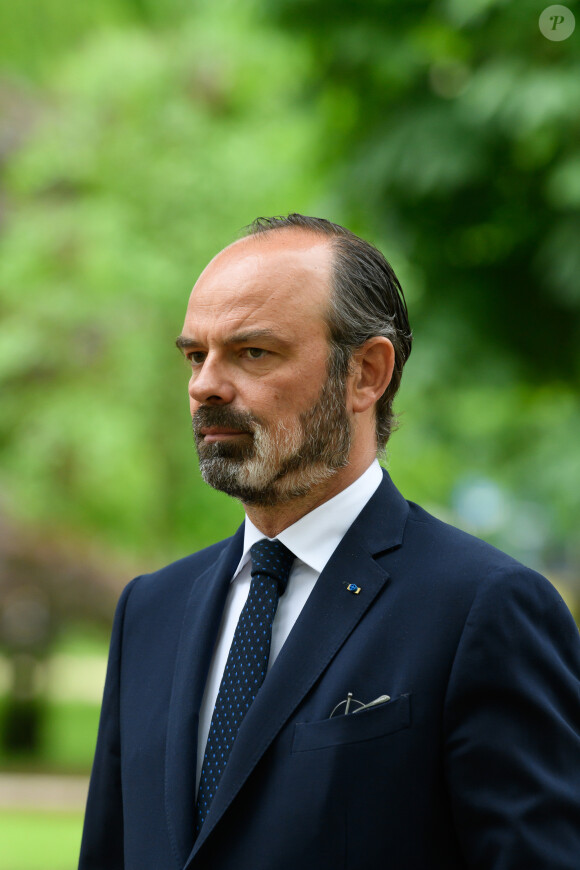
(278, 279)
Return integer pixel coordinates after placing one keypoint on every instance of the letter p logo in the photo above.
(557, 23)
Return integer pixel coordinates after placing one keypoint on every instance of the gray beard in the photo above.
(273, 465)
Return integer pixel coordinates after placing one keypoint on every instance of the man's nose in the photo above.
(210, 385)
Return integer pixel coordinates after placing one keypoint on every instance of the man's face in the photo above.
(269, 423)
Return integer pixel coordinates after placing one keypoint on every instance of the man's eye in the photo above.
(255, 352)
(196, 357)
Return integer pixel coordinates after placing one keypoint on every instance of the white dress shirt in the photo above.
(313, 539)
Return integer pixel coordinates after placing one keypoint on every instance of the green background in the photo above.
(137, 139)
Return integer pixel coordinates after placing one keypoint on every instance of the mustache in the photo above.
(220, 415)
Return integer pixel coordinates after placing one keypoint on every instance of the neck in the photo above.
(273, 519)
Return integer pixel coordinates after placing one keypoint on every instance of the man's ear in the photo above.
(372, 370)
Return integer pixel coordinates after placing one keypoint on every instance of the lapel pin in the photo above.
(352, 587)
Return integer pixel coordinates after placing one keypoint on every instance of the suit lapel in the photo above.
(327, 619)
(199, 630)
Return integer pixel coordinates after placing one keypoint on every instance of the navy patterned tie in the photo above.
(246, 665)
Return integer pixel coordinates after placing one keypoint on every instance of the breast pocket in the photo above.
(367, 725)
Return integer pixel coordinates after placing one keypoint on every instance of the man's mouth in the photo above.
(211, 434)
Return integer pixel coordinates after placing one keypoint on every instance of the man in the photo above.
(421, 705)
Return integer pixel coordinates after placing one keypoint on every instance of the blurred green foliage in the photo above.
(40, 841)
(68, 738)
(139, 137)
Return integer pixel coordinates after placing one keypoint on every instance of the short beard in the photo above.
(277, 463)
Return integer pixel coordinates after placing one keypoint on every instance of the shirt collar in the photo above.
(315, 536)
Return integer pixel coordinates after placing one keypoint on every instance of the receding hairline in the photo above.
(310, 239)
(271, 233)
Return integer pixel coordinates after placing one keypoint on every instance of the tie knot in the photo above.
(273, 559)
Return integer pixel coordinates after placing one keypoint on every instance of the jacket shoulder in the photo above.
(462, 567)
(460, 579)
(173, 582)
(453, 546)
(194, 562)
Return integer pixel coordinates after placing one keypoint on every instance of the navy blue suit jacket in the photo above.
(473, 763)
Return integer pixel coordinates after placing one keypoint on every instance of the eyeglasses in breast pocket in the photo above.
(368, 724)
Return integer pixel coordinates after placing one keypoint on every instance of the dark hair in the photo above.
(366, 300)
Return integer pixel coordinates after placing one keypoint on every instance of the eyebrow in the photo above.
(185, 341)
